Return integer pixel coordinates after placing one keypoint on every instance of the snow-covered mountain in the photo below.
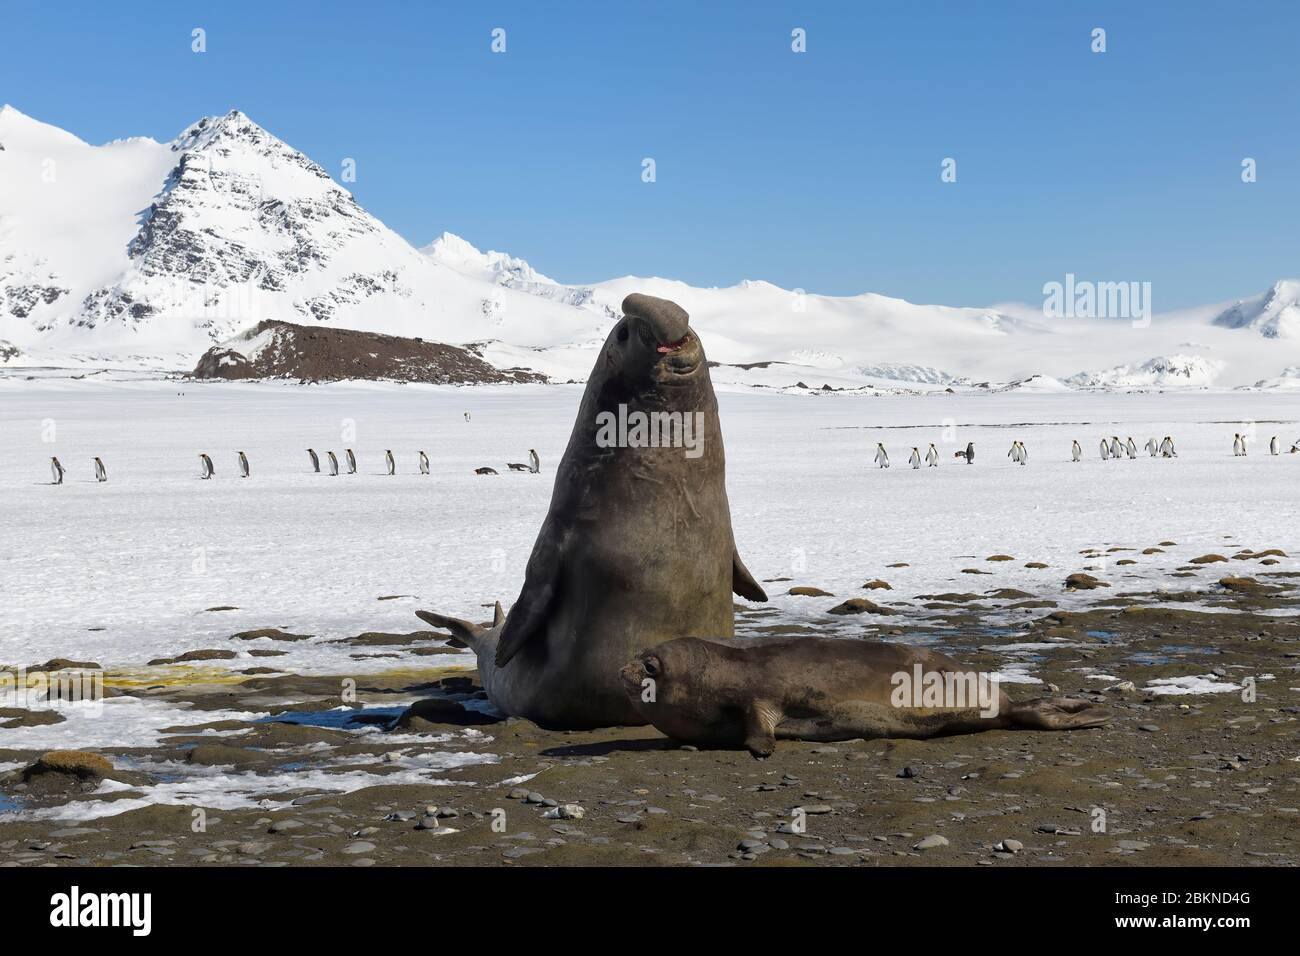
(145, 254)
(151, 252)
(1274, 315)
(1161, 372)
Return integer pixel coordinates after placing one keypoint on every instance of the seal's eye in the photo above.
(622, 332)
(651, 665)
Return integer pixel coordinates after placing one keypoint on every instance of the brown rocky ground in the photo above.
(326, 354)
(1207, 779)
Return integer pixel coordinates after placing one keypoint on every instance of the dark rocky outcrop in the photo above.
(275, 349)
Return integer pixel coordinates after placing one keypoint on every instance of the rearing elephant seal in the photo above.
(637, 547)
(811, 688)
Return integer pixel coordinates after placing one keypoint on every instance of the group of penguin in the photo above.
(57, 470)
(1111, 448)
(1115, 449)
(208, 470)
(931, 455)
(1239, 446)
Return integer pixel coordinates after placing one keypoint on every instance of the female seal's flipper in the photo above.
(1066, 714)
(742, 582)
(760, 728)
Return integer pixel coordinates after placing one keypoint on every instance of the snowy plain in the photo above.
(145, 554)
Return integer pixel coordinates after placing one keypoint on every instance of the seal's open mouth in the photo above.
(680, 358)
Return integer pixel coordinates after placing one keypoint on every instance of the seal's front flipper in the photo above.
(528, 614)
(1047, 714)
(760, 728)
(742, 582)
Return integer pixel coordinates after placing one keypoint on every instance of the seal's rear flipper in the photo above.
(1047, 714)
(473, 635)
(742, 582)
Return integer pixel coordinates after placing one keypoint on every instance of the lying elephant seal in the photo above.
(637, 547)
(751, 694)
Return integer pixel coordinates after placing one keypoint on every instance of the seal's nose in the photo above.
(667, 322)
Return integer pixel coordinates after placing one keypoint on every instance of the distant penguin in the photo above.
(243, 465)
(1238, 445)
(1105, 450)
(882, 456)
(467, 416)
(533, 467)
(315, 462)
(1131, 447)
(932, 456)
(101, 473)
(915, 460)
(388, 460)
(334, 463)
(970, 453)
(1014, 453)
(352, 461)
(1152, 446)
(205, 467)
(424, 463)
(1116, 449)
(1076, 453)
(1273, 447)
(56, 470)
(1167, 448)
(485, 471)
(1024, 453)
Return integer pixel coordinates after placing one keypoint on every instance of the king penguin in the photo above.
(56, 470)
(932, 456)
(915, 460)
(1273, 447)
(315, 462)
(352, 461)
(334, 463)
(243, 465)
(388, 460)
(1076, 453)
(101, 473)
(882, 456)
(424, 463)
(205, 466)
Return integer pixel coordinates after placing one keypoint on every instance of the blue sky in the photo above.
(817, 170)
